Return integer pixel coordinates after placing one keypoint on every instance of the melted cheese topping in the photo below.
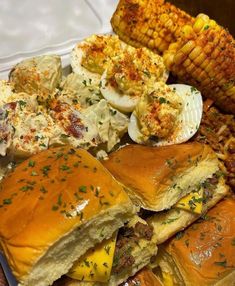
(167, 279)
(193, 202)
(96, 264)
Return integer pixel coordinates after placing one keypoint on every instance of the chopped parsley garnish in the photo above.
(31, 163)
(179, 235)
(113, 112)
(221, 263)
(43, 190)
(64, 168)
(83, 189)
(163, 100)
(22, 104)
(107, 249)
(55, 208)
(64, 136)
(84, 82)
(170, 220)
(7, 201)
(46, 169)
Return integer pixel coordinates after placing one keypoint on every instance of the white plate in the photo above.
(29, 28)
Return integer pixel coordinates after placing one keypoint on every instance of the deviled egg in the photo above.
(129, 75)
(167, 115)
(91, 57)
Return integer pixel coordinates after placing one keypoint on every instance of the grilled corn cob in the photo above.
(148, 23)
(197, 50)
(204, 56)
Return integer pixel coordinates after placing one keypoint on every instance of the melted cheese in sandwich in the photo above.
(167, 279)
(96, 264)
(192, 202)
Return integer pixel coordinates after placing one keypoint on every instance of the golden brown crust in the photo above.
(205, 253)
(144, 277)
(46, 197)
(149, 171)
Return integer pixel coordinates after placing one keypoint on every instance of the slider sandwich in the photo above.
(145, 277)
(203, 254)
(62, 213)
(175, 184)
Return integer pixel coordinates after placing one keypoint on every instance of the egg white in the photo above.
(122, 102)
(189, 118)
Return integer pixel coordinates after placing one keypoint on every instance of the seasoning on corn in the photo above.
(204, 56)
(148, 23)
(197, 50)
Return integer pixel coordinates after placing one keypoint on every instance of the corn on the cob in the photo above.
(198, 51)
(148, 23)
(204, 56)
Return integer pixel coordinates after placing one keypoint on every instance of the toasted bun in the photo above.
(157, 177)
(144, 277)
(53, 208)
(166, 224)
(204, 253)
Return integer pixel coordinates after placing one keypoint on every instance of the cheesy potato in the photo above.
(39, 75)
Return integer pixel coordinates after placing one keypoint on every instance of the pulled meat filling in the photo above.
(127, 238)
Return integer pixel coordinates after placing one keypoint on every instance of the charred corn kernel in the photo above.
(190, 68)
(188, 47)
(163, 46)
(195, 52)
(205, 63)
(215, 53)
(199, 60)
(187, 62)
(179, 57)
(230, 91)
(164, 18)
(193, 48)
(198, 25)
(187, 30)
(204, 17)
(173, 46)
(212, 23)
(149, 17)
(202, 75)
(168, 59)
(149, 32)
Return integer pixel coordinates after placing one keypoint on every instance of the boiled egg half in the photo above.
(90, 57)
(169, 115)
(129, 75)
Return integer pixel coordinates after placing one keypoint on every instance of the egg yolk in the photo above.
(135, 70)
(97, 51)
(158, 112)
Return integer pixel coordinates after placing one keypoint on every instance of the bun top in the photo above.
(144, 277)
(204, 253)
(49, 195)
(157, 177)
